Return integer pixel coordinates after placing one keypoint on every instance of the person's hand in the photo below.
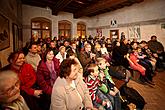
(102, 75)
(104, 103)
(144, 68)
(108, 104)
(108, 64)
(155, 55)
(112, 93)
(126, 56)
(145, 56)
(92, 55)
(37, 93)
(116, 89)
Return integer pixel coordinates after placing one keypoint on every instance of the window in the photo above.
(64, 29)
(41, 28)
(81, 30)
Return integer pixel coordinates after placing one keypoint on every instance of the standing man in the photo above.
(157, 49)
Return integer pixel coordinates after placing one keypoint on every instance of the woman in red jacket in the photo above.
(134, 64)
(47, 73)
(27, 77)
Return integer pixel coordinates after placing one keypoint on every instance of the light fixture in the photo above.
(80, 2)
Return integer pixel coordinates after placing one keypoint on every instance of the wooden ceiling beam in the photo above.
(101, 5)
(60, 4)
(41, 3)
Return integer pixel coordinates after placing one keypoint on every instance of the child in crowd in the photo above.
(147, 61)
(107, 80)
(100, 101)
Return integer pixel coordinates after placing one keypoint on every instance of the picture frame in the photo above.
(99, 32)
(4, 33)
(134, 32)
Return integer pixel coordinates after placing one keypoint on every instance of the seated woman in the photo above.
(105, 53)
(138, 61)
(69, 91)
(134, 64)
(10, 98)
(27, 77)
(47, 73)
(61, 54)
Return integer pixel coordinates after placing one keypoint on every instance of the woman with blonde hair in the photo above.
(61, 54)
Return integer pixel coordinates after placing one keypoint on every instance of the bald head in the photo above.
(9, 86)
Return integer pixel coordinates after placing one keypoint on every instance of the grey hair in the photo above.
(7, 74)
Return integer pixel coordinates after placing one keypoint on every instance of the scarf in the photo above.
(53, 74)
(18, 104)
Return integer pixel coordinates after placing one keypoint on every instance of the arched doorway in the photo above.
(81, 29)
(40, 28)
(64, 29)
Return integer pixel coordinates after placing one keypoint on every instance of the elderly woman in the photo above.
(27, 77)
(10, 98)
(47, 73)
(61, 54)
(69, 91)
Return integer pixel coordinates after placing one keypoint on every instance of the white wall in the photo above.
(147, 10)
(137, 13)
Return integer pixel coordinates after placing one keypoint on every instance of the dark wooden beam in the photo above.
(60, 4)
(41, 3)
(101, 5)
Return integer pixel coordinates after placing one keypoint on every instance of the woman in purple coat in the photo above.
(47, 73)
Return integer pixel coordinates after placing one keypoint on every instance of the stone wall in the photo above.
(12, 10)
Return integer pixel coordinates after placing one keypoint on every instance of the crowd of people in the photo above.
(76, 74)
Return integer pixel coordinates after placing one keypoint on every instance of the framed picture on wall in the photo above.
(134, 32)
(99, 32)
(15, 37)
(4, 33)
